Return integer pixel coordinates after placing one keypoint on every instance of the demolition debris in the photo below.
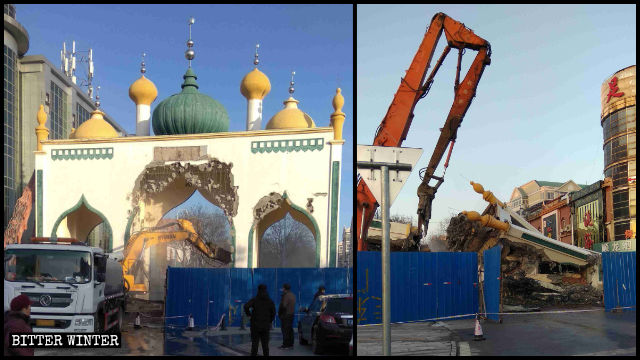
(530, 277)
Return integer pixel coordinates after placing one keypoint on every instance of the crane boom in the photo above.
(413, 87)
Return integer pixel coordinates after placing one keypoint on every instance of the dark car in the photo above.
(328, 321)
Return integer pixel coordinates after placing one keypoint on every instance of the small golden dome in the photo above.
(290, 117)
(143, 91)
(95, 127)
(255, 85)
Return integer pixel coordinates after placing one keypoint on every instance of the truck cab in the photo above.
(70, 285)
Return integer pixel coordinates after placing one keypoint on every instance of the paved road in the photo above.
(153, 340)
(581, 333)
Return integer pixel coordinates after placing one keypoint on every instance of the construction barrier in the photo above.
(619, 279)
(491, 285)
(423, 285)
(208, 294)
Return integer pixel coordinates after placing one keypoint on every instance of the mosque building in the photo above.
(290, 165)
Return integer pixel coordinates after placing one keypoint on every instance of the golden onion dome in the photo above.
(95, 127)
(290, 117)
(143, 91)
(255, 85)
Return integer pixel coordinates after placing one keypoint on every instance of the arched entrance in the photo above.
(78, 221)
(162, 187)
(271, 214)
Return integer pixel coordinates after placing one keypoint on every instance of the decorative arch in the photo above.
(83, 202)
(273, 208)
(161, 187)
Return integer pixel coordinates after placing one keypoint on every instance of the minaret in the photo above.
(255, 86)
(143, 92)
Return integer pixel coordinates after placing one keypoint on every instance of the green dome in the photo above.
(189, 112)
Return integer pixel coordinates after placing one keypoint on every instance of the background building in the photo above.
(28, 82)
(344, 249)
(618, 121)
(528, 198)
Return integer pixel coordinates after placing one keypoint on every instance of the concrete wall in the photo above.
(108, 183)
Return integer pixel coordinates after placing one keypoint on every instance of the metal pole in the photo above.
(386, 286)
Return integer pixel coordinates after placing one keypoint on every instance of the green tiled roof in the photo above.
(549, 183)
(522, 193)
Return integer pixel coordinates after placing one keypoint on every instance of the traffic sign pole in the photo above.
(386, 250)
(382, 159)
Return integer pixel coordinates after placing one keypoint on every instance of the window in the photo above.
(621, 204)
(82, 115)
(58, 110)
(619, 229)
(9, 132)
(550, 196)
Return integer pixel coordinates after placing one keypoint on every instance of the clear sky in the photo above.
(316, 41)
(537, 106)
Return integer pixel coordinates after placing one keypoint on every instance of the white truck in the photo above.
(73, 287)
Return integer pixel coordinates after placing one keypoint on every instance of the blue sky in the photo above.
(316, 41)
(537, 106)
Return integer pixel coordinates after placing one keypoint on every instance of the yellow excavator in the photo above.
(148, 238)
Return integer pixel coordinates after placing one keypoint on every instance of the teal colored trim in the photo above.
(82, 154)
(287, 145)
(250, 251)
(91, 208)
(554, 246)
(233, 245)
(335, 188)
(39, 203)
(316, 231)
(127, 229)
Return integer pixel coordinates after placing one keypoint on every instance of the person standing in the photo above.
(285, 313)
(262, 312)
(318, 293)
(16, 320)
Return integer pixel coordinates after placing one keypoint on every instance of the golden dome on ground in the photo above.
(290, 117)
(95, 127)
(143, 91)
(255, 85)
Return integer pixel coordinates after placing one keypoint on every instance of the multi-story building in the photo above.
(618, 121)
(529, 197)
(28, 82)
(344, 249)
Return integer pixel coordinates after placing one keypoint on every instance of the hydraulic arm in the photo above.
(413, 87)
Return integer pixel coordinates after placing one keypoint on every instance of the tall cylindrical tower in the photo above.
(255, 86)
(618, 121)
(143, 92)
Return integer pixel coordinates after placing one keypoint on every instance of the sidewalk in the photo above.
(240, 341)
(427, 338)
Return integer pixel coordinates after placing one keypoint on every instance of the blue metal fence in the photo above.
(423, 286)
(200, 291)
(619, 279)
(491, 290)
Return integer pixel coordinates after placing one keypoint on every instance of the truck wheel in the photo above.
(118, 328)
(98, 324)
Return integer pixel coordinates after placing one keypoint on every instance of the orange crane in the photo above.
(413, 87)
(146, 239)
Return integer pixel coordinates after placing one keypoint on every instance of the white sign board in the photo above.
(386, 154)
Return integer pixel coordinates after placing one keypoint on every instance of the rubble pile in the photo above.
(529, 277)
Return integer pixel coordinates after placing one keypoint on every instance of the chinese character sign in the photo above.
(587, 230)
(549, 226)
(613, 89)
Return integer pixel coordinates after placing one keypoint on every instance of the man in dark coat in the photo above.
(285, 313)
(318, 293)
(16, 320)
(262, 312)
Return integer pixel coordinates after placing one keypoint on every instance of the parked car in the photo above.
(328, 321)
(351, 345)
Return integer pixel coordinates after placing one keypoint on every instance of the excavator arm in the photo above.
(413, 87)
